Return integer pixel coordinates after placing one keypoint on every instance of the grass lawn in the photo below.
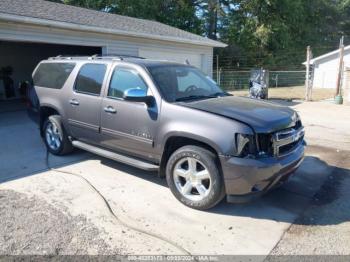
(294, 93)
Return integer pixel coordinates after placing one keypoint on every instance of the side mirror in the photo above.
(137, 95)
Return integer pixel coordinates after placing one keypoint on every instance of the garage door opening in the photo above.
(18, 60)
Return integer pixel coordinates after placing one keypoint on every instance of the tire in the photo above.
(65, 146)
(189, 195)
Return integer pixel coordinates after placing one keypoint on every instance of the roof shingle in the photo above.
(81, 16)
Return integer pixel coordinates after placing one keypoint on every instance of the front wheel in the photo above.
(194, 178)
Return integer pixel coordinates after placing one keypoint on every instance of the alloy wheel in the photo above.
(192, 179)
(53, 136)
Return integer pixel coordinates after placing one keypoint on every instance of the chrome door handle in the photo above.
(110, 109)
(74, 102)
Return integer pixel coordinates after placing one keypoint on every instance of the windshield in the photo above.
(181, 83)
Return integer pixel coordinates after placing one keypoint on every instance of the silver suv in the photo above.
(169, 117)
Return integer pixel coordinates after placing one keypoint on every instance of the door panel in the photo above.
(131, 128)
(84, 103)
(128, 126)
(84, 119)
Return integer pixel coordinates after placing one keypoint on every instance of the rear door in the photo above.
(84, 102)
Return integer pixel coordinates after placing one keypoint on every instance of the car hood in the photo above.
(262, 116)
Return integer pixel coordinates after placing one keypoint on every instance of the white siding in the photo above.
(194, 58)
(198, 56)
(326, 71)
(346, 86)
(111, 44)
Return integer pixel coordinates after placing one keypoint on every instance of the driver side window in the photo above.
(124, 79)
(191, 79)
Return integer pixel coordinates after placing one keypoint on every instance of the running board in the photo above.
(117, 157)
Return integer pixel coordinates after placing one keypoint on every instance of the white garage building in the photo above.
(326, 68)
(32, 30)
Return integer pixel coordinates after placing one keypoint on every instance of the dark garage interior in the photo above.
(19, 59)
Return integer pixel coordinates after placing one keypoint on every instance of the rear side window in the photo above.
(52, 75)
(90, 78)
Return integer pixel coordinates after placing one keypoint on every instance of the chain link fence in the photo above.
(231, 80)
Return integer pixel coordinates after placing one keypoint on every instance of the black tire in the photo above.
(65, 145)
(209, 160)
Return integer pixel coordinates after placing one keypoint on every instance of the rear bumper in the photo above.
(247, 178)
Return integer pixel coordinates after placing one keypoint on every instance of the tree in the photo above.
(91, 4)
(276, 32)
(344, 11)
(272, 33)
(213, 12)
(177, 13)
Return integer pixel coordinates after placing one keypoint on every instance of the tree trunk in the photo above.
(213, 17)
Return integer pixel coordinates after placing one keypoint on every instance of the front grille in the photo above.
(287, 148)
(286, 140)
(282, 142)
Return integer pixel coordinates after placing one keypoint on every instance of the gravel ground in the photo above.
(30, 226)
(324, 228)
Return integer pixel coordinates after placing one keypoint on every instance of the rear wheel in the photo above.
(55, 136)
(193, 177)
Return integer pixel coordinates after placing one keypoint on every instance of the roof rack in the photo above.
(124, 56)
(96, 56)
(65, 57)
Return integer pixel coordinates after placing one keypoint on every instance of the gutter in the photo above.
(94, 29)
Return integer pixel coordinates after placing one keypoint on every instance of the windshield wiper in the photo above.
(185, 98)
(193, 97)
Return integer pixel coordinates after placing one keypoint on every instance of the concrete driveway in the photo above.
(91, 205)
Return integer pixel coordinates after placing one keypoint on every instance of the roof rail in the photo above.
(96, 56)
(127, 56)
(115, 56)
(61, 57)
(93, 56)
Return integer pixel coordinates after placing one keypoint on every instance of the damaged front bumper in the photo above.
(246, 179)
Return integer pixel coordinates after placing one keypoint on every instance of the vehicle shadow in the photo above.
(314, 185)
(136, 172)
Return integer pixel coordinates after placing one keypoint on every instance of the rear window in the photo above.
(52, 75)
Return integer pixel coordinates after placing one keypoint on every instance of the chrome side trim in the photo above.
(80, 124)
(118, 134)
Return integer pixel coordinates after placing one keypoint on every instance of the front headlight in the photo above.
(245, 145)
